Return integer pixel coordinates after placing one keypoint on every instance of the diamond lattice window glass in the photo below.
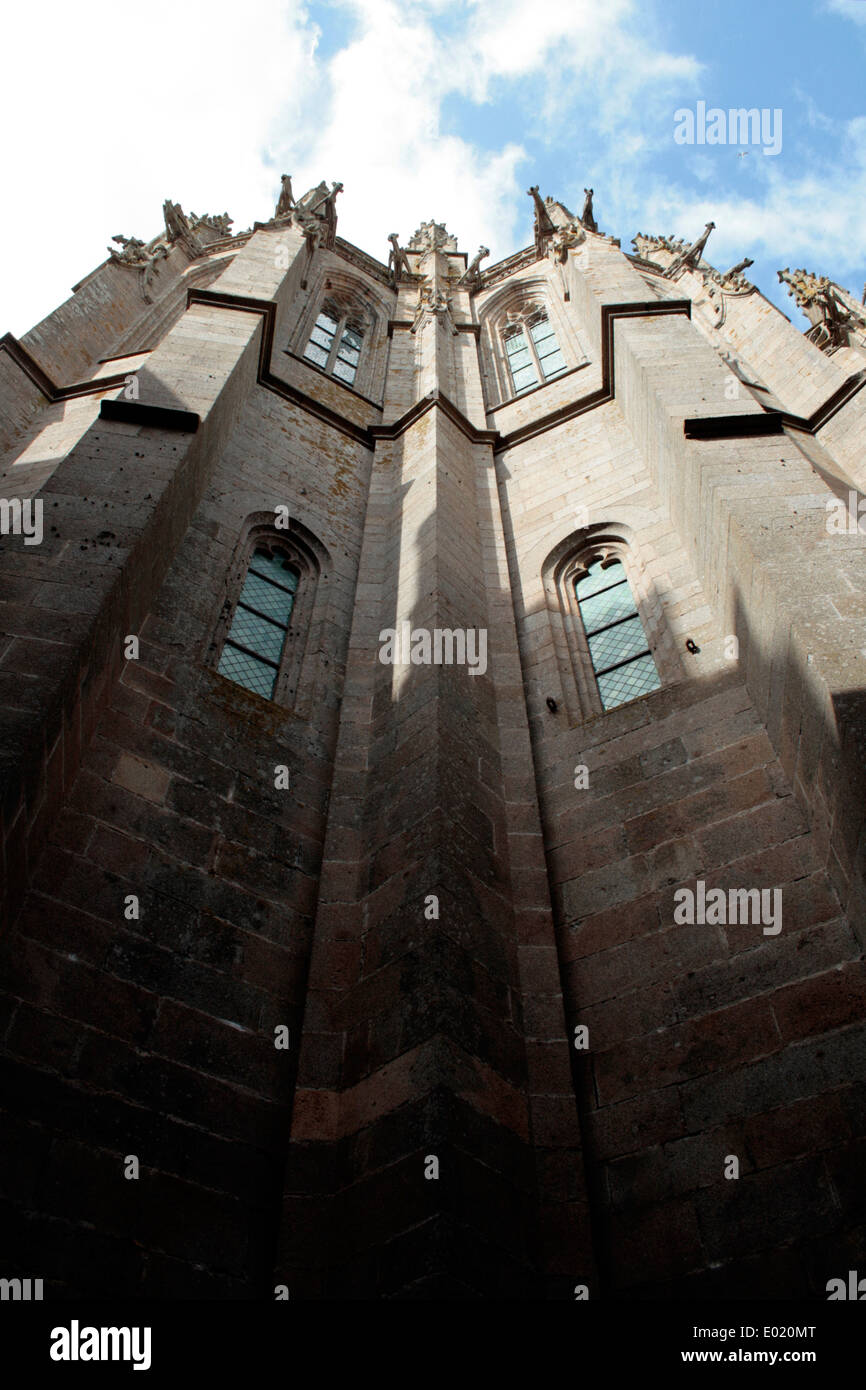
(622, 661)
(255, 641)
(533, 353)
(335, 345)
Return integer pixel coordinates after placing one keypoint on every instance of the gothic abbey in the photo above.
(433, 736)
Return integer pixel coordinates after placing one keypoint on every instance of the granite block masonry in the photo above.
(433, 725)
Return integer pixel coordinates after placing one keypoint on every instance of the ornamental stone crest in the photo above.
(837, 319)
(432, 236)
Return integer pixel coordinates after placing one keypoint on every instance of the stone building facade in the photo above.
(383, 969)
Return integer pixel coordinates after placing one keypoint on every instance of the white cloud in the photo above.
(122, 107)
(111, 109)
(811, 216)
(117, 109)
(383, 133)
(850, 9)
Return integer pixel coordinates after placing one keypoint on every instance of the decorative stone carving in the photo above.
(544, 227)
(521, 260)
(432, 302)
(286, 201)
(398, 262)
(176, 224)
(177, 228)
(220, 222)
(735, 273)
(471, 276)
(432, 236)
(586, 216)
(565, 239)
(836, 317)
(434, 242)
(646, 246)
(149, 269)
(690, 258)
(720, 286)
(132, 251)
(316, 215)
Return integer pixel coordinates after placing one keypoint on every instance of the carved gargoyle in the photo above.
(692, 255)
(398, 262)
(472, 274)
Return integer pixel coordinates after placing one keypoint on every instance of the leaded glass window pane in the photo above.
(254, 644)
(275, 568)
(316, 354)
(259, 635)
(617, 643)
(628, 682)
(320, 347)
(542, 332)
(549, 354)
(344, 371)
(319, 336)
(606, 607)
(246, 670)
(524, 377)
(621, 659)
(553, 364)
(599, 577)
(266, 598)
(348, 355)
(520, 361)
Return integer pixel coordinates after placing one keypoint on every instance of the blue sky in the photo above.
(432, 108)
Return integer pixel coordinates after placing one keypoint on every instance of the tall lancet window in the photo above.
(335, 344)
(533, 353)
(255, 640)
(623, 664)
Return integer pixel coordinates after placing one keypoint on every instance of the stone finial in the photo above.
(433, 236)
(587, 217)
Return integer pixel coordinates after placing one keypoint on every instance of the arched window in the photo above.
(533, 354)
(621, 658)
(335, 343)
(254, 643)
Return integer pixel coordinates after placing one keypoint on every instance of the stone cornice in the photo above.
(775, 421)
(655, 308)
(772, 421)
(502, 269)
(434, 399)
(42, 381)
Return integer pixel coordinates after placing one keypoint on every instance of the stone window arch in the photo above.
(609, 628)
(527, 339)
(341, 331)
(268, 631)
